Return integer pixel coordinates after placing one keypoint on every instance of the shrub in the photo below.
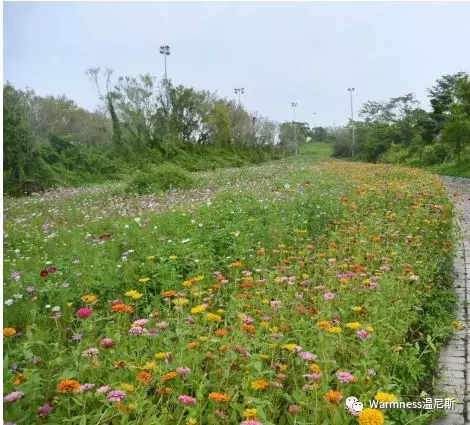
(395, 155)
(435, 154)
(163, 177)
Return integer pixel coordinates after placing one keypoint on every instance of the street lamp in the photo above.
(165, 51)
(350, 90)
(239, 92)
(294, 105)
(314, 120)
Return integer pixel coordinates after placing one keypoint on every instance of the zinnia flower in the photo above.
(107, 343)
(44, 410)
(333, 396)
(13, 396)
(219, 397)
(103, 389)
(259, 384)
(8, 332)
(371, 417)
(251, 422)
(116, 396)
(84, 312)
(68, 386)
(186, 399)
(385, 397)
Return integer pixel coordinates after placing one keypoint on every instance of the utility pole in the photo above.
(165, 51)
(294, 105)
(350, 90)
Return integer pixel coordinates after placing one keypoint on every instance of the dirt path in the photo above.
(455, 357)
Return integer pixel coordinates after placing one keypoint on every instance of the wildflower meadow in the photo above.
(264, 295)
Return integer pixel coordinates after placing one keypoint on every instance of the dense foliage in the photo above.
(50, 141)
(400, 131)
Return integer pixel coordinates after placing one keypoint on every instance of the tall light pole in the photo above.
(350, 90)
(314, 120)
(239, 92)
(165, 51)
(294, 105)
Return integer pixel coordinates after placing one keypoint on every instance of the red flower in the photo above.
(44, 273)
(84, 312)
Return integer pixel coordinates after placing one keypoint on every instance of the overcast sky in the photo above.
(309, 53)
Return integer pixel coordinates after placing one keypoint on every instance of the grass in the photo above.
(317, 149)
(285, 287)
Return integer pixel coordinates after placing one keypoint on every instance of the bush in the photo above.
(164, 177)
(435, 154)
(395, 155)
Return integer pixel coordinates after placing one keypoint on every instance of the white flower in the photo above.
(17, 251)
(126, 226)
(48, 262)
(17, 296)
(9, 302)
(137, 219)
(185, 240)
(48, 306)
(193, 221)
(56, 308)
(200, 224)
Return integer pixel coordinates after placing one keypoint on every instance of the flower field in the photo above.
(267, 295)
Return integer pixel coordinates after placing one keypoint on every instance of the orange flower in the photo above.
(169, 375)
(123, 308)
(165, 391)
(193, 344)
(68, 386)
(248, 328)
(219, 397)
(167, 294)
(333, 396)
(236, 265)
(260, 384)
(8, 332)
(144, 377)
(221, 332)
(19, 379)
(260, 251)
(120, 363)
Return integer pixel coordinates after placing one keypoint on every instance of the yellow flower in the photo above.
(272, 346)
(88, 299)
(203, 338)
(213, 317)
(150, 366)
(335, 330)
(220, 311)
(144, 280)
(371, 417)
(264, 357)
(133, 294)
(265, 301)
(385, 397)
(264, 324)
(69, 305)
(353, 325)
(250, 413)
(191, 421)
(357, 309)
(369, 329)
(290, 347)
(198, 309)
(180, 302)
(457, 325)
(173, 257)
(161, 355)
(274, 329)
(127, 387)
(151, 257)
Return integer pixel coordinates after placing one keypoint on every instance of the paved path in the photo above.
(455, 357)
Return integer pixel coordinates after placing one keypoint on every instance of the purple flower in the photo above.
(30, 289)
(86, 387)
(141, 322)
(51, 269)
(249, 319)
(313, 376)
(44, 410)
(103, 389)
(116, 396)
(76, 337)
(137, 330)
(13, 396)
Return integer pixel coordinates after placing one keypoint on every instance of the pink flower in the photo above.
(90, 352)
(107, 343)
(103, 389)
(329, 296)
(137, 330)
(84, 312)
(307, 356)
(363, 334)
(12, 397)
(313, 376)
(344, 377)
(116, 396)
(251, 422)
(44, 410)
(140, 322)
(183, 371)
(186, 399)
(86, 387)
